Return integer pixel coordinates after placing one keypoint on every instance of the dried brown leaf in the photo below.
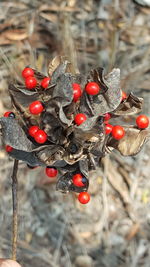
(66, 185)
(49, 16)
(54, 8)
(49, 154)
(89, 131)
(109, 97)
(53, 65)
(15, 35)
(13, 135)
(21, 96)
(134, 230)
(58, 71)
(132, 142)
(28, 157)
(4, 40)
(130, 106)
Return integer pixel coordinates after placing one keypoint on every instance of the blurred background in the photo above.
(113, 230)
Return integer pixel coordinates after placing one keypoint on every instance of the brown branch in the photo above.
(15, 209)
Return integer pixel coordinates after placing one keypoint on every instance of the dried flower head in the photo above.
(71, 148)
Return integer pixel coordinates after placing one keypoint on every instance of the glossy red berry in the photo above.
(84, 197)
(107, 117)
(77, 92)
(8, 148)
(142, 121)
(36, 107)
(40, 137)
(32, 130)
(27, 72)
(92, 88)
(30, 82)
(45, 82)
(108, 128)
(6, 114)
(51, 172)
(78, 180)
(118, 132)
(124, 95)
(9, 114)
(80, 118)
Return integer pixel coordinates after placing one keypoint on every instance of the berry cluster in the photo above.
(118, 131)
(31, 81)
(67, 128)
(39, 135)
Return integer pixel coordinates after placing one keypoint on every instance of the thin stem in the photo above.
(15, 209)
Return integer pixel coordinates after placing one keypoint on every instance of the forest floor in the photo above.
(113, 230)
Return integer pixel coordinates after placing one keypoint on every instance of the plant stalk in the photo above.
(15, 209)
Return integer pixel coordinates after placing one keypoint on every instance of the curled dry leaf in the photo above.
(21, 97)
(88, 125)
(50, 17)
(132, 142)
(110, 96)
(83, 166)
(65, 185)
(13, 135)
(38, 74)
(49, 154)
(58, 70)
(28, 157)
(91, 131)
(72, 158)
(130, 106)
(53, 65)
(53, 126)
(64, 94)
(16, 35)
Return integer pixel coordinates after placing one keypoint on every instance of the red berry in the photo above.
(92, 88)
(142, 121)
(118, 132)
(9, 114)
(78, 180)
(8, 148)
(45, 82)
(32, 130)
(30, 82)
(77, 92)
(84, 197)
(51, 172)
(36, 107)
(107, 117)
(124, 95)
(27, 72)
(40, 137)
(108, 128)
(80, 118)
